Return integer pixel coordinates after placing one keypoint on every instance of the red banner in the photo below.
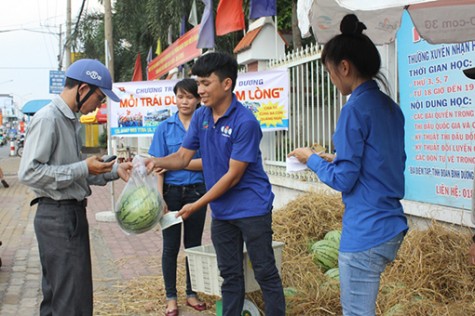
(181, 51)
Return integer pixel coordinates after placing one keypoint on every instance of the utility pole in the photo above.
(108, 37)
(68, 34)
(60, 56)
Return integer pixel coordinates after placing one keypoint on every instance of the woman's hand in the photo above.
(302, 154)
(327, 157)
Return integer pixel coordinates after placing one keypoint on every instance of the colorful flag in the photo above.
(149, 55)
(229, 17)
(137, 75)
(206, 35)
(149, 58)
(193, 17)
(260, 8)
(158, 51)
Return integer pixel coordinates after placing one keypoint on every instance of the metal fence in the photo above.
(314, 108)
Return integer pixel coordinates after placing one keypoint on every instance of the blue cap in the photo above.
(93, 72)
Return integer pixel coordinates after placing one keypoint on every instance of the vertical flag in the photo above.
(260, 8)
(206, 35)
(193, 17)
(158, 51)
(170, 35)
(229, 17)
(149, 58)
(137, 75)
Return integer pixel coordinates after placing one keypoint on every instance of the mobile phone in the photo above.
(108, 158)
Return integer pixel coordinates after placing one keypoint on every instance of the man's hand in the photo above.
(186, 211)
(95, 166)
(152, 165)
(471, 254)
(124, 170)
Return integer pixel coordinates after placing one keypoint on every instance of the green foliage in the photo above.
(137, 24)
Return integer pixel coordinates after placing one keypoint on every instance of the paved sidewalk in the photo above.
(117, 257)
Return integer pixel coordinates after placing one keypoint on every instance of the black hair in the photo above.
(222, 64)
(356, 47)
(188, 85)
(71, 83)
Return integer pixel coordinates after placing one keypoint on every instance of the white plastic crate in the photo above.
(204, 271)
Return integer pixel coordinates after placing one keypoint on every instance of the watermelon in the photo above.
(290, 291)
(325, 254)
(139, 210)
(334, 235)
(333, 273)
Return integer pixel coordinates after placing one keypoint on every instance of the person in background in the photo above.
(368, 167)
(54, 168)
(4, 182)
(470, 73)
(178, 188)
(239, 192)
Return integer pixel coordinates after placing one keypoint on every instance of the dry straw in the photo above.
(430, 276)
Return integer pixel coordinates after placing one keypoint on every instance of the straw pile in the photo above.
(430, 276)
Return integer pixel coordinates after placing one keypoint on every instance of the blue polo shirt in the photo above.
(368, 168)
(167, 139)
(236, 135)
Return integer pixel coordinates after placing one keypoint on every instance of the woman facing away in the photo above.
(368, 168)
(180, 187)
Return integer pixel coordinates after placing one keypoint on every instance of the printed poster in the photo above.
(438, 103)
(145, 104)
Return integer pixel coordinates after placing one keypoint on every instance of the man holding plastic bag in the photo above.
(239, 192)
(53, 166)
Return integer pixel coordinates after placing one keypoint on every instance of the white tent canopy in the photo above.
(439, 21)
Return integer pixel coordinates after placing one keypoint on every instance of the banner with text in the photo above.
(438, 103)
(144, 104)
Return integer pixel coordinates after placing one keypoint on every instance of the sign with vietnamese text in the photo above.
(438, 104)
(181, 51)
(56, 81)
(144, 104)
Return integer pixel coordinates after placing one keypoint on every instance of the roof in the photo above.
(247, 40)
(33, 106)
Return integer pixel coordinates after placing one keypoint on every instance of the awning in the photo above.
(33, 106)
(99, 116)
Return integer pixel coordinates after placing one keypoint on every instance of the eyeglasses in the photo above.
(102, 98)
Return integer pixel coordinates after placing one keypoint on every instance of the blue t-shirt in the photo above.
(236, 135)
(368, 168)
(166, 140)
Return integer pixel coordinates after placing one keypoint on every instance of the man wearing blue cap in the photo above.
(470, 73)
(53, 166)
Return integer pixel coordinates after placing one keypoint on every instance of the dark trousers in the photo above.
(62, 232)
(228, 237)
(176, 197)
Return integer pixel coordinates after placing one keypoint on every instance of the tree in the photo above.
(137, 25)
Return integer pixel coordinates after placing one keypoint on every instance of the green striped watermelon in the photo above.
(139, 210)
(325, 254)
(333, 273)
(333, 235)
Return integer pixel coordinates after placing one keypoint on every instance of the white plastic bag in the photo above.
(140, 205)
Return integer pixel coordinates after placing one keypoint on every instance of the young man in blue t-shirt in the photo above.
(239, 192)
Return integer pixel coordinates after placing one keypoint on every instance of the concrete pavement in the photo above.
(117, 258)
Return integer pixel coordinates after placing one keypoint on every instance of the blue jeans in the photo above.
(176, 197)
(360, 274)
(228, 237)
